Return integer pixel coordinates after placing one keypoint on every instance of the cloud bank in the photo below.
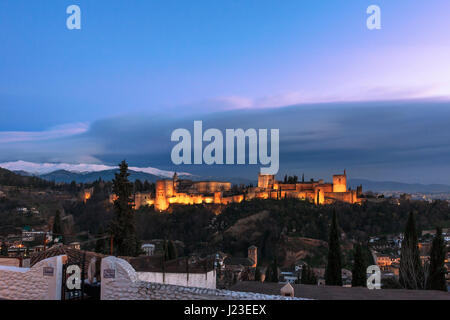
(406, 141)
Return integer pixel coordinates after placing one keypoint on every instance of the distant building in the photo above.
(22, 210)
(289, 276)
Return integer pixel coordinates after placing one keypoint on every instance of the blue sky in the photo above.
(176, 60)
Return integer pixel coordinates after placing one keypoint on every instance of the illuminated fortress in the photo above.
(177, 191)
(318, 192)
(187, 192)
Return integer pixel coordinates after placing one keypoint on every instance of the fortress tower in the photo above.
(319, 196)
(340, 182)
(161, 202)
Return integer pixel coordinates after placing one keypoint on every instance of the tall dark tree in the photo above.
(333, 272)
(436, 277)
(73, 187)
(305, 275)
(57, 227)
(100, 244)
(272, 272)
(359, 277)
(411, 272)
(146, 186)
(170, 251)
(4, 251)
(308, 275)
(122, 227)
(257, 274)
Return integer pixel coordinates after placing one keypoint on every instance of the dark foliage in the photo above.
(122, 227)
(411, 271)
(359, 277)
(333, 271)
(436, 278)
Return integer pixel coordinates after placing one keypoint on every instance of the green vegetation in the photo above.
(122, 227)
(276, 227)
(308, 275)
(57, 226)
(436, 279)
(9, 178)
(359, 267)
(4, 249)
(272, 272)
(257, 273)
(170, 250)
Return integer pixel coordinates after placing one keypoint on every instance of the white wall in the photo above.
(199, 280)
(31, 283)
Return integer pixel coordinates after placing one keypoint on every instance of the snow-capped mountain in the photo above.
(63, 172)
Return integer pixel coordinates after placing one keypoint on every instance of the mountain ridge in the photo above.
(395, 186)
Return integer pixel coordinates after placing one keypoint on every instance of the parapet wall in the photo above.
(41, 282)
(202, 280)
(121, 282)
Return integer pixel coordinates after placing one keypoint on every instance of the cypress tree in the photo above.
(257, 274)
(4, 251)
(272, 272)
(436, 278)
(411, 272)
(171, 253)
(308, 276)
(122, 226)
(333, 273)
(275, 270)
(57, 226)
(359, 277)
(100, 244)
(312, 276)
(304, 279)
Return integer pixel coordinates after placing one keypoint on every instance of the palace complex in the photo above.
(181, 191)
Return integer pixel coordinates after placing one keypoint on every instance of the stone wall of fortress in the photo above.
(173, 191)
